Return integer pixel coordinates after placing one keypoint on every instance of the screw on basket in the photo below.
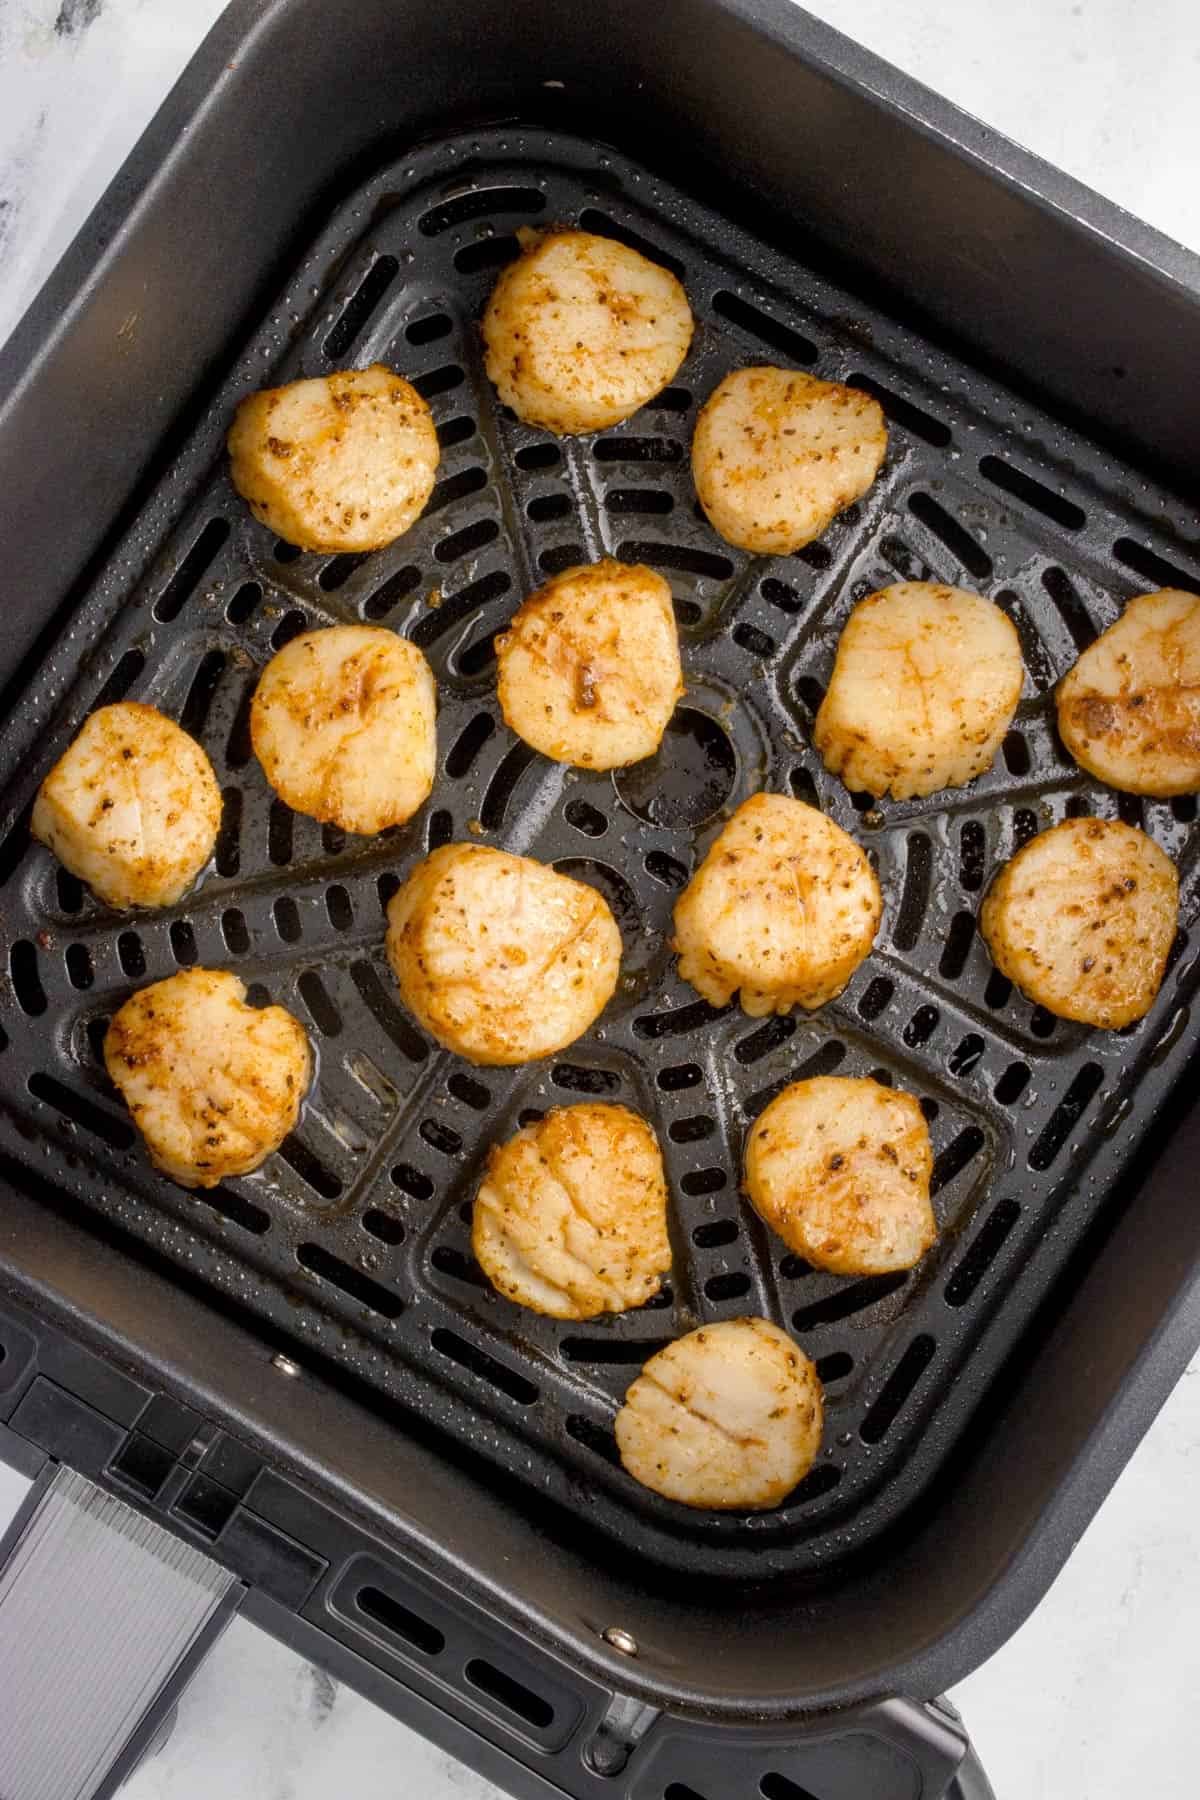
(621, 1640)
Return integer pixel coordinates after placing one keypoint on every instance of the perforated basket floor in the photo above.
(355, 1238)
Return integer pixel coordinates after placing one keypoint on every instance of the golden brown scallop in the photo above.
(344, 724)
(728, 1417)
(784, 908)
(500, 957)
(840, 1168)
(1129, 711)
(581, 330)
(777, 455)
(571, 1216)
(924, 688)
(338, 462)
(214, 1085)
(132, 808)
(1082, 920)
(588, 671)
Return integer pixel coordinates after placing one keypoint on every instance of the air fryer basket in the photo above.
(348, 1255)
(356, 1236)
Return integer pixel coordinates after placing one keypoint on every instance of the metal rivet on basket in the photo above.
(621, 1640)
(285, 1365)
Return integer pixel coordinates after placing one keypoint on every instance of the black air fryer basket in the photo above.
(301, 1378)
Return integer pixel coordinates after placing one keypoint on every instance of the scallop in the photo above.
(728, 1417)
(840, 1169)
(581, 330)
(784, 908)
(1082, 920)
(132, 808)
(924, 688)
(343, 723)
(571, 1216)
(777, 455)
(1129, 711)
(501, 958)
(343, 462)
(214, 1084)
(589, 669)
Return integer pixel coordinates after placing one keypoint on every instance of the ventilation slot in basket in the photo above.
(899, 1386)
(472, 1093)
(619, 1352)
(902, 412)
(496, 1374)
(1032, 493)
(1075, 617)
(190, 572)
(397, 587)
(777, 1787)
(956, 538)
(77, 1109)
(121, 679)
(351, 1281)
(316, 996)
(237, 1208)
(603, 226)
(950, 1162)
(384, 1226)
(682, 558)
(716, 1234)
(665, 869)
(758, 324)
(412, 1182)
(26, 978)
(698, 1182)
(209, 670)
(503, 785)
(1066, 1116)
(678, 1023)
(309, 1167)
(1154, 568)
(846, 1301)
(918, 873)
(362, 304)
(768, 1037)
(988, 1243)
(470, 741)
(480, 203)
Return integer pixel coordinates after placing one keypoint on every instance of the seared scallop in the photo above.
(777, 455)
(214, 1085)
(1129, 711)
(784, 907)
(840, 1168)
(132, 808)
(343, 723)
(924, 688)
(339, 462)
(571, 1217)
(580, 331)
(728, 1417)
(589, 668)
(501, 958)
(1083, 918)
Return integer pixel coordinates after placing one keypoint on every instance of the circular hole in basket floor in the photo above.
(690, 777)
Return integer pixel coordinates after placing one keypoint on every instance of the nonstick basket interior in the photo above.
(353, 1242)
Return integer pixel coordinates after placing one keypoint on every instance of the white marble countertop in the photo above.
(1089, 1700)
